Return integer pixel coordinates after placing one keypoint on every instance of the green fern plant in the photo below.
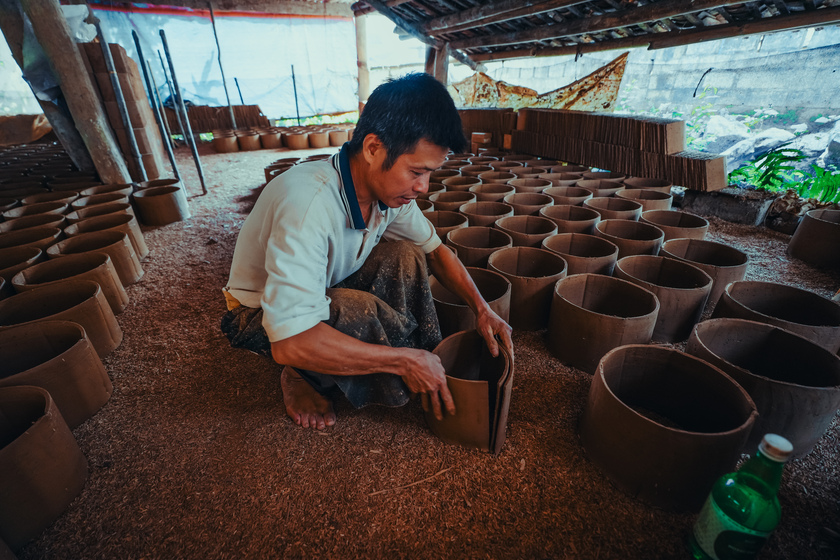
(822, 184)
(772, 171)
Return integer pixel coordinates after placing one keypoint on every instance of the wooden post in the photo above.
(362, 61)
(442, 64)
(53, 33)
(430, 60)
(11, 24)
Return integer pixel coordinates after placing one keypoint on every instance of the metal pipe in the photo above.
(158, 116)
(294, 87)
(156, 93)
(219, 51)
(118, 95)
(236, 81)
(175, 106)
(180, 102)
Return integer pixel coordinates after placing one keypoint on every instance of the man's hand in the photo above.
(489, 325)
(424, 374)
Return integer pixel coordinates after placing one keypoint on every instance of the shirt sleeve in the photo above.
(294, 299)
(411, 225)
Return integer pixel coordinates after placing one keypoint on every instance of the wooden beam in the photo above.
(623, 43)
(441, 71)
(282, 7)
(429, 66)
(492, 12)
(649, 12)
(362, 60)
(53, 33)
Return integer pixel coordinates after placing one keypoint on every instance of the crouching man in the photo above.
(313, 286)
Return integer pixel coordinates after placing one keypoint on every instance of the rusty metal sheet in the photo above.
(596, 92)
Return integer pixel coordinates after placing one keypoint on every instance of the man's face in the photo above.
(408, 177)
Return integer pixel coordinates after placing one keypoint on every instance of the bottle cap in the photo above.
(775, 447)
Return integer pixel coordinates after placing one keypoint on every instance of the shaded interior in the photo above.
(18, 413)
(664, 272)
(20, 353)
(23, 236)
(787, 303)
(147, 193)
(612, 203)
(490, 285)
(707, 252)
(480, 237)
(442, 218)
(627, 229)
(646, 182)
(830, 216)
(102, 209)
(37, 304)
(17, 255)
(675, 218)
(86, 243)
(99, 223)
(529, 262)
(529, 225)
(60, 269)
(488, 208)
(607, 296)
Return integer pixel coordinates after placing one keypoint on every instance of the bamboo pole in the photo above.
(221, 68)
(362, 60)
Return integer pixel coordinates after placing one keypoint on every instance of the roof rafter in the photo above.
(492, 12)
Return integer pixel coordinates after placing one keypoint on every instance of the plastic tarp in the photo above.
(258, 50)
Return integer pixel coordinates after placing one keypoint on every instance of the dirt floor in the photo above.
(193, 456)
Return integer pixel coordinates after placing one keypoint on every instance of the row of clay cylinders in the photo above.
(278, 166)
(63, 283)
(225, 141)
(310, 137)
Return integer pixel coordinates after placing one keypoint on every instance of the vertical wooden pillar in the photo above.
(11, 24)
(430, 60)
(442, 64)
(362, 60)
(53, 33)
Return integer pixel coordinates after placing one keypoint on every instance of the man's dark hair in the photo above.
(403, 111)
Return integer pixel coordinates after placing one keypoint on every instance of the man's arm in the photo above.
(451, 273)
(327, 350)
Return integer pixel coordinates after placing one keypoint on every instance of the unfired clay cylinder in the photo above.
(723, 263)
(475, 244)
(159, 206)
(319, 140)
(271, 140)
(60, 197)
(96, 199)
(496, 177)
(682, 290)
(571, 196)
(572, 219)
(591, 314)
(119, 188)
(528, 204)
(532, 273)
(663, 425)
(817, 239)
(632, 238)
(126, 223)
(530, 185)
(43, 468)
(601, 187)
(445, 221)
(649, 199)
(115, 243)
(225, 144)
(99, 210)
(793, 309)
(296, 140)
(677, 224)
(529, 172)
(481, 160)
(612, 208)
(15, 259)
(453, 312)
(424, 205)
(338, 137)
(39, 237)
(460, 183)
(485, 213)
(35, 220)
(583, 253)
(652, 184)
(248, 141)
(57, 356)
(794, 382)
(451, 201)
(505, 166)
(579, 170)
(603, 176)
(439, 175)
(474, 170)
(81, 302)
(527, 231)
(32, 209)
(492, 192)
(96, 267)
(433, 188)
(562, 179)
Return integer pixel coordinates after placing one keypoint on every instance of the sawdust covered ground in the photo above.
(193, 456)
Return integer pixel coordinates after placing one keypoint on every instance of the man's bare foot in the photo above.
(304, 404)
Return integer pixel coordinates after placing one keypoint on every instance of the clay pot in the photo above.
(296, 140)
(561, 179)
(572, 219)
(225, 144)
(485, 213)
(682, 290)
(649, 199)
(319, 139)
(532, 273)
(81, 302)
(583, 253)
(462, 156)
(59, 197)
(57, 356)
(273, 170)
(338, 137)
(453, 312)
(424, 205)
(33, 209)
(87, 266)
(526, 231)
(505, 166)
(603, 175)
(677, 224)
(455, 164)
(115, 244)
(817, 239)
(521, 158)
(591, 314)
(650, 184)
(124, 222)
(723, 263)
(433, 188)
(99, 210)
(118, 188)
(496, 177)
(578, 169)
(35, 220)
(612, 208)
(663, 425)
(270, 140)
(481, 387)
(568, 196)
(451, 201)
(528, 204)
(632, 238)
(793, 309)
(248, 141)
(481, 160)
(43, 468)
(600, 187)
(475, 244)
(23, 192)
(460, 183)
(492, 192)
(15, 259)
(440, 174)
(96, 199)
(40, 237)
(474, 170)
(446, 221)
(77, 186)
(530, 185)
(795, 383)
(529, 172)
(159, 206)
(9, 203)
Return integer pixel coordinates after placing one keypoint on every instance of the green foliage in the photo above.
(822, 184)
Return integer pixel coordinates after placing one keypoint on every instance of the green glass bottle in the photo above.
(743, 507)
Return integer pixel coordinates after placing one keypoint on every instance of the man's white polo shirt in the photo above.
(306, 234)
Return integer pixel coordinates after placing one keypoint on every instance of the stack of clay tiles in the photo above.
(68, 247)
(289, 138)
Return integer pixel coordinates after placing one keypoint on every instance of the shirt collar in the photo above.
(350, 190)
